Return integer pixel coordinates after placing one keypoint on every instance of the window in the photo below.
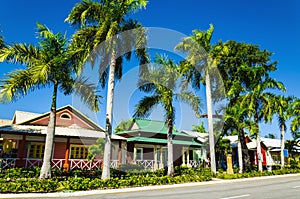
(65, 116)
(36, 150)
(78, 152)
(8, 148)
(139, 153)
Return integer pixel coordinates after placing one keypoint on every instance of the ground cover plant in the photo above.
(22, 180)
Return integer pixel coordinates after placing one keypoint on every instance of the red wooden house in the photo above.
(22, 142)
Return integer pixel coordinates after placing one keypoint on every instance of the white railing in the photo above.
(80, 164)
(114, 164)
(33, 162)
(148, 164)
(96, 164)
(74, 163)
(194, 163)
(57, 163)
(8, 163)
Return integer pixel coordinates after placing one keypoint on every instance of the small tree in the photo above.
(96, 150)
(199, 128)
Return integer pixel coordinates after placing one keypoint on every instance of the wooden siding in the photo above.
(63, 121)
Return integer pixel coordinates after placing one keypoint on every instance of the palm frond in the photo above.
(20, 54)
(17, 84)
(85, 12)
(145, 106)
(88, 93)
(190, 99)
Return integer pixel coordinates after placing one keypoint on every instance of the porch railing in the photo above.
(148, 164)
(6, 163)
(194, 163)
(33, 163)
(73, 163)
(84, 164)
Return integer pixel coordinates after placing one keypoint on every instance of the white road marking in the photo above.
(240, 196)
(296, 187)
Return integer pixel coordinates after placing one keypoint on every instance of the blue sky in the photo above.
(273, 24)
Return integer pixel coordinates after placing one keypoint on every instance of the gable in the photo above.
(134, 126)
(65, 117)
(21, 116)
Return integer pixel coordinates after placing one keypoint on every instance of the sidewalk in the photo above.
(135, 189)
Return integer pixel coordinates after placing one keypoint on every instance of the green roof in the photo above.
(163, 141)
(152, 126)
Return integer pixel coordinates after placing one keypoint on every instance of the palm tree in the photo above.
(236, 121)
(295, 113)
(260, 101)
(198, 62)
(1, 42)
(161, 83)
(48, 64)
(100, 27)
(281, 108)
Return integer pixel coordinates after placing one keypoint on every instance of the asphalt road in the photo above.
(276, 188)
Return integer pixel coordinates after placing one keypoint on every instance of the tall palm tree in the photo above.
(48, 64)
(199, 64)
(294, 112)
(162, 83)
(236, 120)
(101, 24)
(282, 107)
(1, 42)
(260, 101)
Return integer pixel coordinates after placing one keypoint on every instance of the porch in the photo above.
(153, 157)
(6, 163)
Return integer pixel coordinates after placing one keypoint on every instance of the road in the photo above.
(275, 188)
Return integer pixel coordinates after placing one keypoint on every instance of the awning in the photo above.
(163, 141)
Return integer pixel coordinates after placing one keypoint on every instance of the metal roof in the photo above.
(162, 141)
(271, 143)
(152, 126)
(72, 131)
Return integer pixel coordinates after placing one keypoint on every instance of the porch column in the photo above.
(21, 153)
(161, 163)
(124, 152)
(119, 154)
(183, 156)
(188, 157)
(155, 157)
(66, 166)
(134, 154)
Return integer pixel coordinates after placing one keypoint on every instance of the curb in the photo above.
(137, 189)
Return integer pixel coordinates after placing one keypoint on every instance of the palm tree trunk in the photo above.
(240, 156)
(109, 116)
(48, 152)
(258, 146)
(170, 148)
(282, 146)
(210, 124)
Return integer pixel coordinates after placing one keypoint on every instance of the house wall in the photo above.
(59, 150)
(254, 157)
(62, 121)
(177, 155)
(148, 154)
(130, 147)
